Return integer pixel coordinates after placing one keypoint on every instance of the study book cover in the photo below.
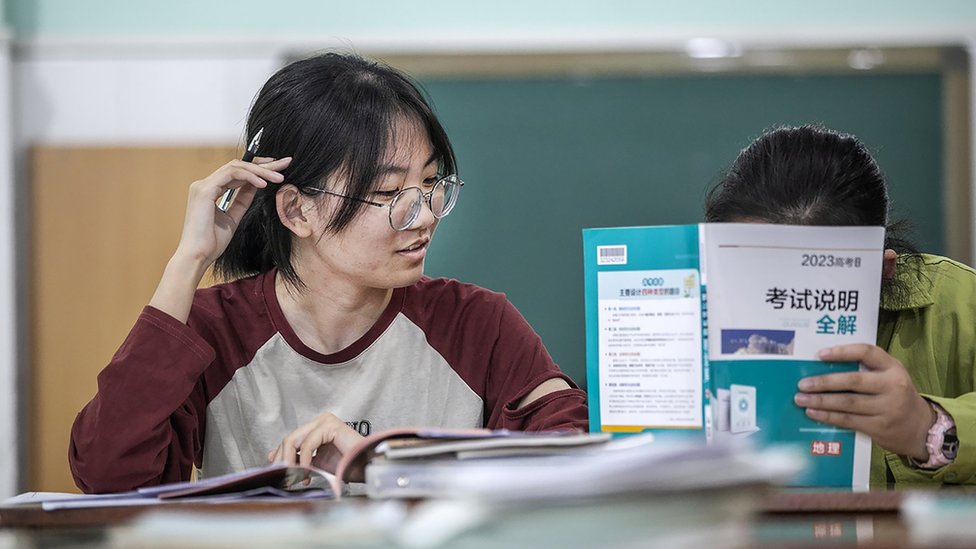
(704, 330)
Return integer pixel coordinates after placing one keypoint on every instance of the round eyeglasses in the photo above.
(406, 204)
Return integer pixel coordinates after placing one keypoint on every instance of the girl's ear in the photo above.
(291, 205)
(889, 264)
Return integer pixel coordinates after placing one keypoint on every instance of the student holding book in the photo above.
(915, 395)
(328, 329)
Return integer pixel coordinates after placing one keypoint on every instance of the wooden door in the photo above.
(103, 222)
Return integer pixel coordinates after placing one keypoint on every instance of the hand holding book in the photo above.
(880, 401)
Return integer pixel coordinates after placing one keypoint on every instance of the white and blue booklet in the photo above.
(704, 330)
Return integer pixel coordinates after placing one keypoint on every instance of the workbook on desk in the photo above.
(704, 331)
(507, 466)
(410, 462)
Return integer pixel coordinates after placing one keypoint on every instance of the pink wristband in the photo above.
(942, 452)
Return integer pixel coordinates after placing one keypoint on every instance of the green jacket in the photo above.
(931, 329)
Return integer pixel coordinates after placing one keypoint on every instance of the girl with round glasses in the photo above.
(327, 330)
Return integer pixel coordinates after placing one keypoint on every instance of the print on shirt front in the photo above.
(362, 426)
(280, 390)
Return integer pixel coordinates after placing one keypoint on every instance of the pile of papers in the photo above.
(566, 466)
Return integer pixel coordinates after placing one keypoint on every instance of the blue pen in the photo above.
(226, 199)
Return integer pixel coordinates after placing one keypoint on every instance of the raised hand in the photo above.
(207, 230)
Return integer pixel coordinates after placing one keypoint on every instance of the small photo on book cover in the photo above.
(758, 342)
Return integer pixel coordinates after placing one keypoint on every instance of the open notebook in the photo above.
(273, 481)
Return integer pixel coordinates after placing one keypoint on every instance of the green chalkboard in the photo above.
(545, 157)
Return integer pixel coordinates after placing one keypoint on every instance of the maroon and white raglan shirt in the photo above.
(224, 389)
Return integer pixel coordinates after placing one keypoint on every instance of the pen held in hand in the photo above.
(226, 199)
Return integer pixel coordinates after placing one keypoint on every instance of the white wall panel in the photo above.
(135, 101)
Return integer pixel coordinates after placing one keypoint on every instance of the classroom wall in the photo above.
(183, 71)
(545, 157)
(508, 21)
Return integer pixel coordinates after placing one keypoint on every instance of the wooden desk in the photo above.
(807, 501)
(787, 519)
(32, 516)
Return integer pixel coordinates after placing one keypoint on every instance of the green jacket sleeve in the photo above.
(931, 329)
(963, 469)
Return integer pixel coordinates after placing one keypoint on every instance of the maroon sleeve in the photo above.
(497, 354)
(559, 410)
(519, 362)
(145, 424)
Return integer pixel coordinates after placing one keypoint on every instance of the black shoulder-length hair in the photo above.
(332, 113)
